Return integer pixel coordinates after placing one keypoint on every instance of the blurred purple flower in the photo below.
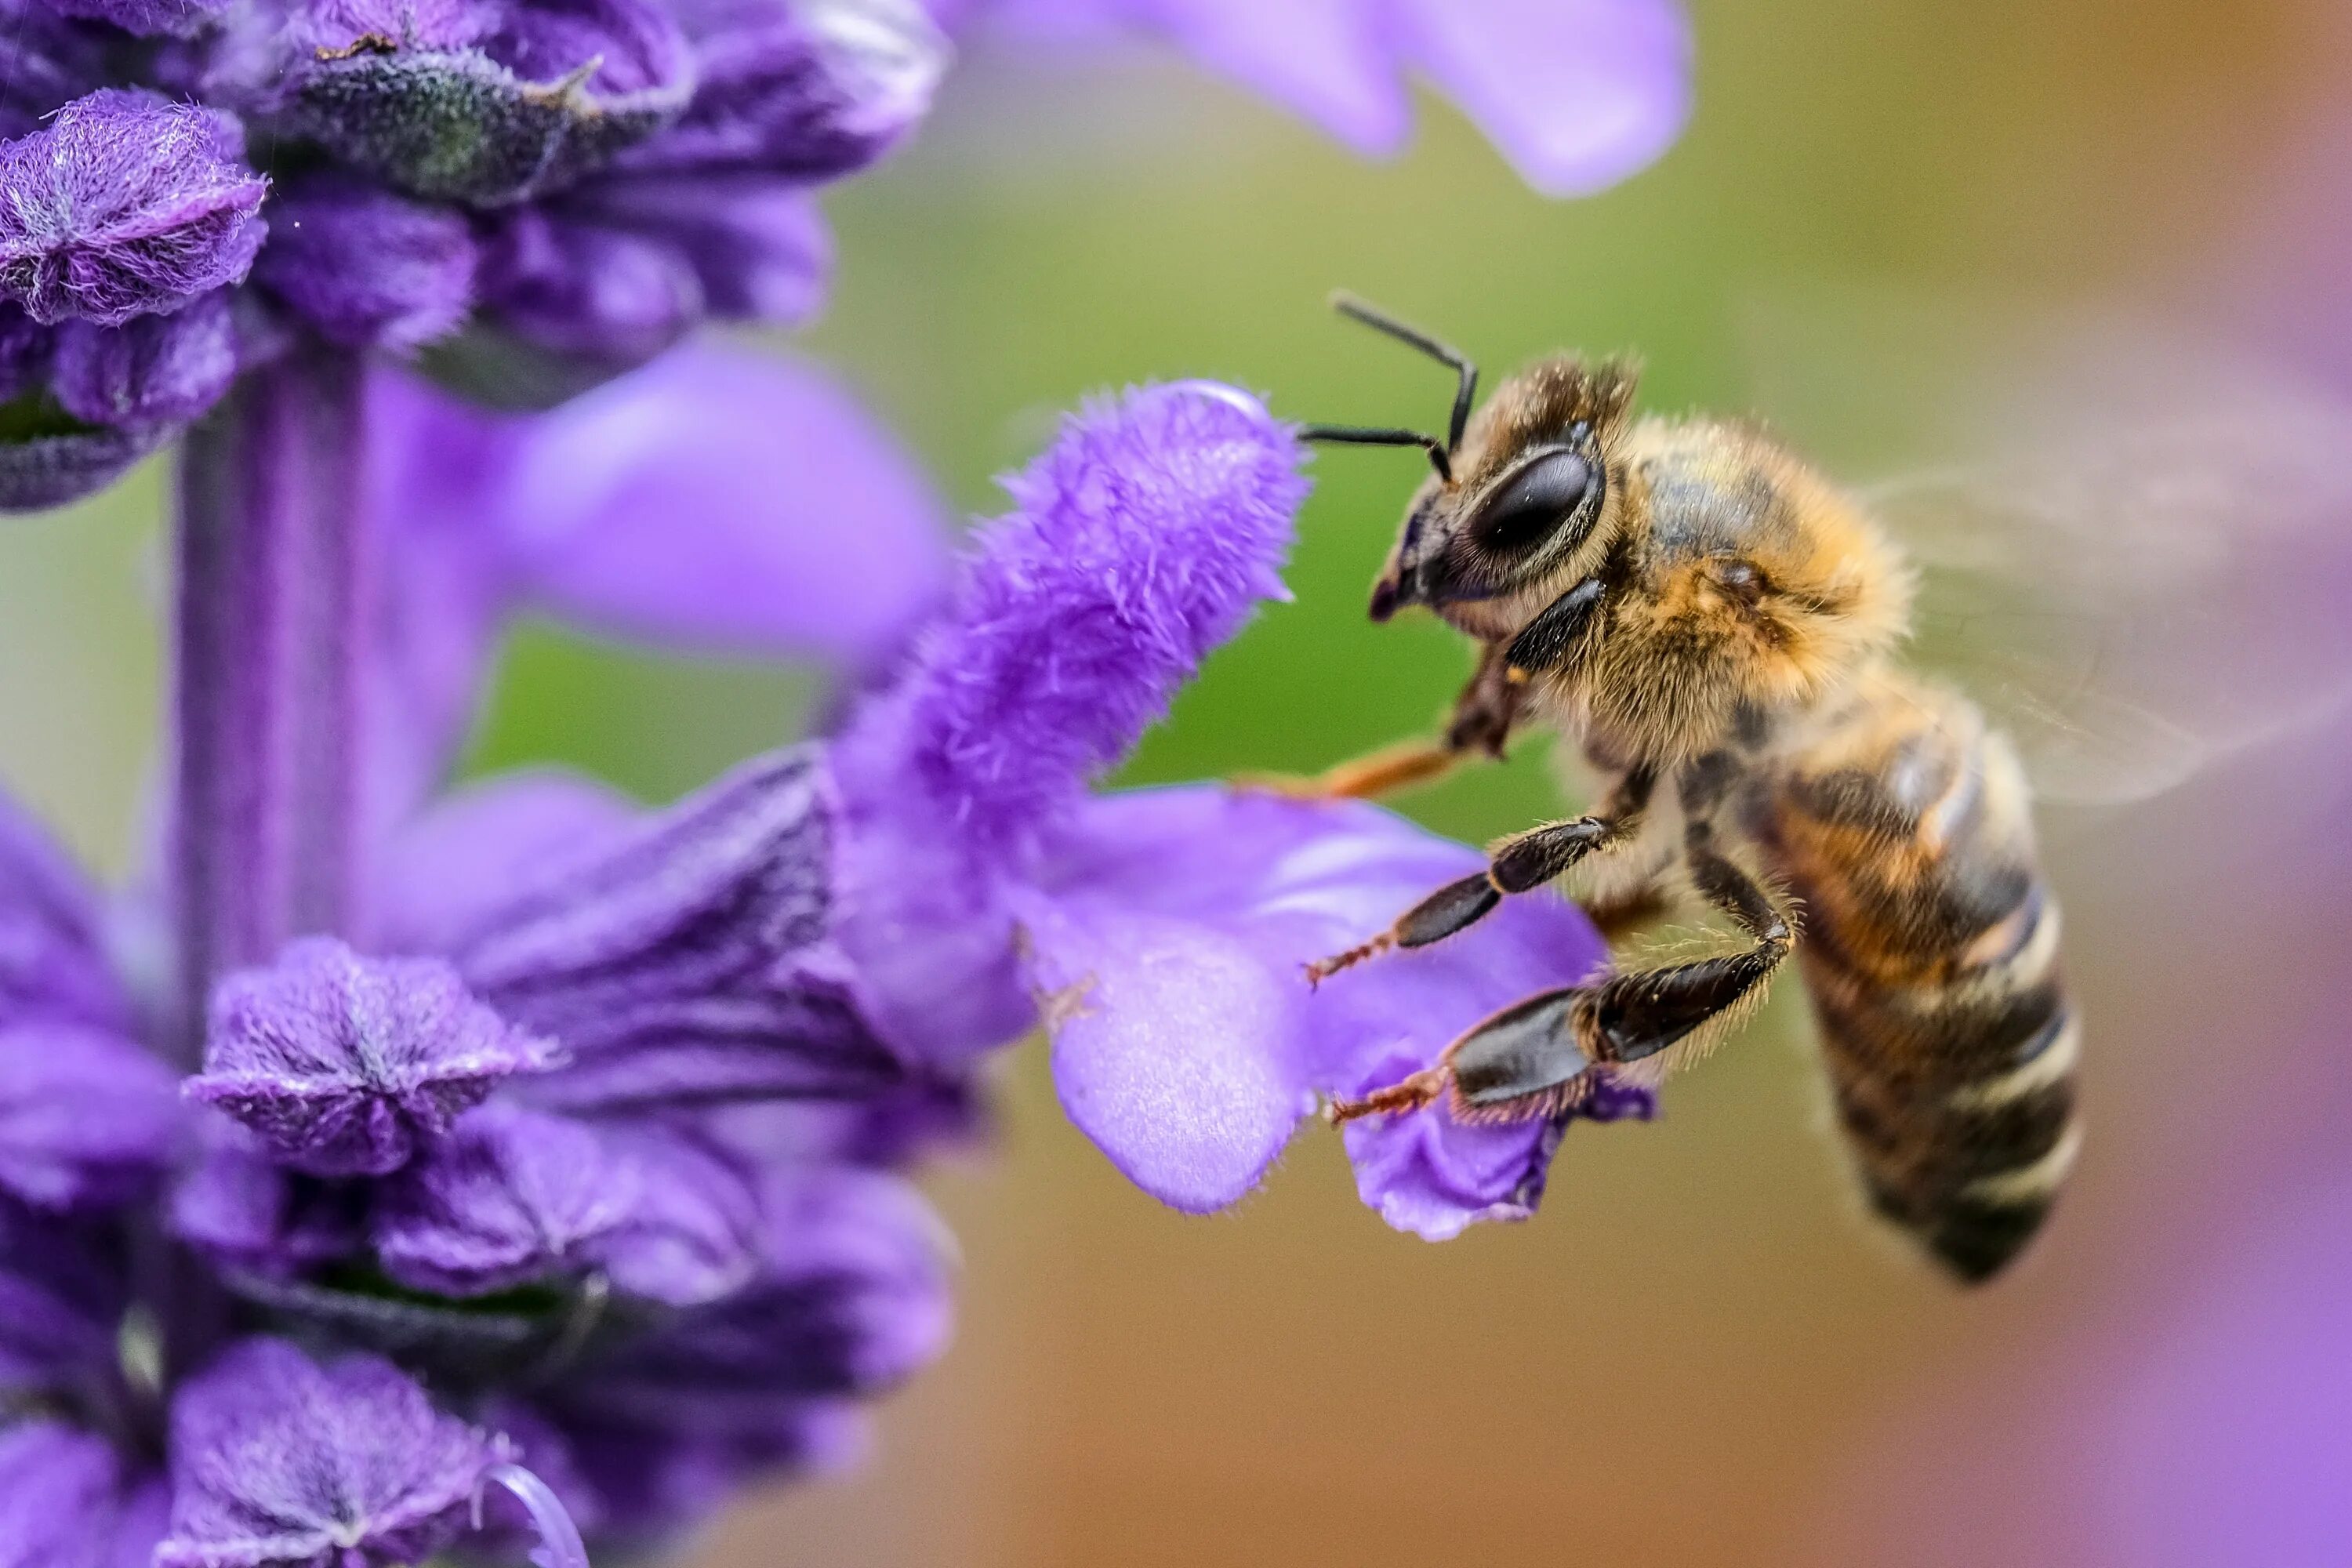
(1577, 93)
(124, 203)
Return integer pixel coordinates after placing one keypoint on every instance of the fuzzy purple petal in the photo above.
(346, 1066)
(1167, 941)
(87, 1117)
(123, 203)
(690, 960)
(48, 458)
(365, 267)
(729, 501)
(809, 91)
(66, 1503)
(149, 371)
(279, 1461)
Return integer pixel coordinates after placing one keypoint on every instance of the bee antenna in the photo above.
(1373, 435)
(1379, 321)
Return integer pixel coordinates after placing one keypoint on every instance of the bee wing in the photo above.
(2148, 598)
(2142, 561)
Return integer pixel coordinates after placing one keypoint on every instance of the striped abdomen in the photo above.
(1930, 948)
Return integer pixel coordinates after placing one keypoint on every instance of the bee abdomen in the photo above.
(1931, 955)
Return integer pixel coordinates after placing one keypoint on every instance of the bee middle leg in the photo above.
(1536, 1057)
(1519, 864)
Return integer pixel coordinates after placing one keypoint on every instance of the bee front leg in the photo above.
(1519, 864)
(1480, 725)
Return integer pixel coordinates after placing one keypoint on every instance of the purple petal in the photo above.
(244, 1211)
(62, 1296)
(1167, 939)
(809, 91)
(346, 1066)
(690, 960)
(53, 965)
(1143, 538)
(1176, 1048)
(153, 370)
(365, 267)
(756, 244)
(279, 1461)
(1577, 95)
(560, 282)
(46, 59)
(63, 1502)
(456, 865)
(515, 1196)
(87, 1117)
(694, 1234)
(122, 205)
(728, 501)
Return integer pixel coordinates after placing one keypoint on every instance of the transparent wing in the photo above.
(2143, 562)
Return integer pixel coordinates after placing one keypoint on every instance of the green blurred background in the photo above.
(1696, 1351)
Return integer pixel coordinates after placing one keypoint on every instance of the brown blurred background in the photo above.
(1699, 1354)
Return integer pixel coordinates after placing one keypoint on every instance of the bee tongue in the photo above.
(1384, 598)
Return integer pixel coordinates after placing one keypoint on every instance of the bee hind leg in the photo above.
(1516, 1064)
(1629, 1016)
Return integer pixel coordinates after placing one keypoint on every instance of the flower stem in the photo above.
(272, 570)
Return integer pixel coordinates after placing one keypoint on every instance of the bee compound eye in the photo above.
(1536, 503)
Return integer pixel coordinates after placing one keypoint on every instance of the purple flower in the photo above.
(367, 267)
(149, 371)
(1161, 935)
(279, 1461)
(1577, 95)
(122, 205)
(345, 1066)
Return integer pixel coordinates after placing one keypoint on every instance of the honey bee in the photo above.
(1721, 630)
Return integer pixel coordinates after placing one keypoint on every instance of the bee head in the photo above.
(1519, 492)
